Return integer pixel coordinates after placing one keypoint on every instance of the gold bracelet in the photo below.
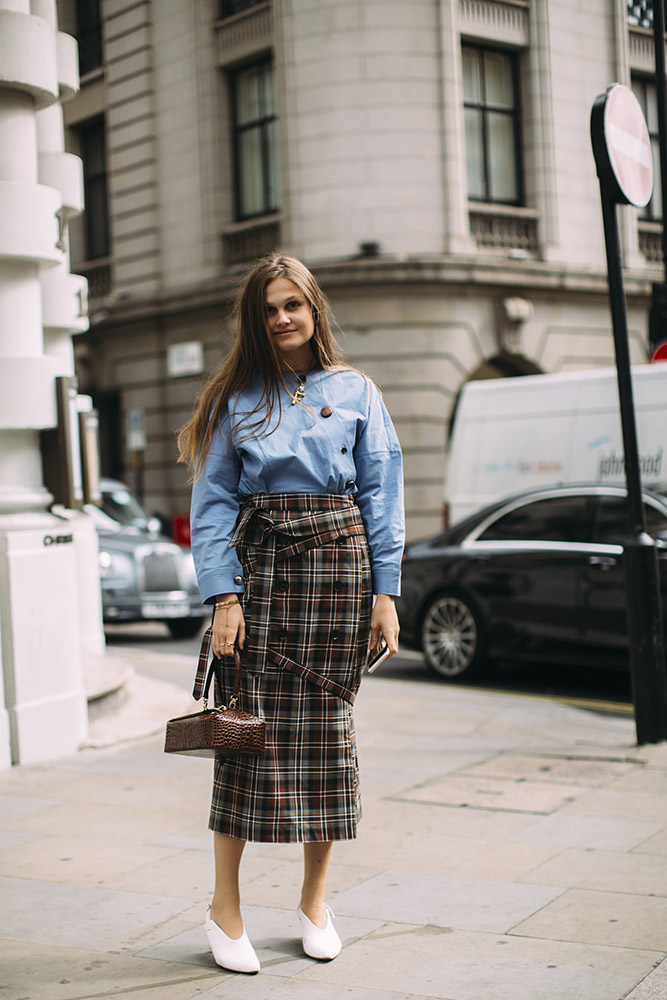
(225, 604)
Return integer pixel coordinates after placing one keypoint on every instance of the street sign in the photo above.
(185, 359)
(660, 352)
(622, 151)
(622, 147)
(135, 429)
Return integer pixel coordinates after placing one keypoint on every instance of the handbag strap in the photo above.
(203, 677)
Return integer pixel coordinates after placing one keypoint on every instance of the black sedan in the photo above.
(536, 576)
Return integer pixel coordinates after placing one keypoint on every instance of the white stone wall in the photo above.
(360, 128)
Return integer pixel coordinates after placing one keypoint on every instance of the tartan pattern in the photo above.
(202, 664)
(307, 604)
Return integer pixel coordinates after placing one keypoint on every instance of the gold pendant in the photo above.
(298, 395)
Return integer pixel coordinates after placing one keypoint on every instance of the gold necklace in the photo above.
(300, 390)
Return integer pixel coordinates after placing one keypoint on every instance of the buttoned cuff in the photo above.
(387, 581)
(219, 582)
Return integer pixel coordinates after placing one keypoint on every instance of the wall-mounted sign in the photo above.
(135, 429)
(185, 359)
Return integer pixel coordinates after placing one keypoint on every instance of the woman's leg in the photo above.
(315, 864)
(226, 903)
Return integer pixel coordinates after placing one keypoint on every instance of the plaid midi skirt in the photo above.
(307, 605)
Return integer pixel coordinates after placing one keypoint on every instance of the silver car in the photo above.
(144, 575)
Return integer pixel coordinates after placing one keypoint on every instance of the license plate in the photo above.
(176, 610)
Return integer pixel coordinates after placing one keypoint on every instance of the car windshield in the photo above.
(124, 508)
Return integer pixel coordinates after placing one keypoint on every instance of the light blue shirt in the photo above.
(353, 450)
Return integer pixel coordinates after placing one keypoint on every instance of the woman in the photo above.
(296, 521)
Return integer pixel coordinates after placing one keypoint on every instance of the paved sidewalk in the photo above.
(511, 849)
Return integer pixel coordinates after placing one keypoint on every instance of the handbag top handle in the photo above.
(203, 677)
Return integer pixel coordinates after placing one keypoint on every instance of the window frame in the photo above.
(89, 36)
(262, 123)
(648, 213)
(515, 113)
(91, 179)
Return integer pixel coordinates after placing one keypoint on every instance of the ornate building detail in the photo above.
(650, 241)
(494, 229)
(246, 242)
(640, 51)
(245, 34)
(495, 21)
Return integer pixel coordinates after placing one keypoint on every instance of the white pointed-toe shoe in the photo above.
(234, 954)
(320, 942)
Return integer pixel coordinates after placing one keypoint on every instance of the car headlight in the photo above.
(106, 563)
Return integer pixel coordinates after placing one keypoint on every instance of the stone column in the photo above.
(39, 622)
(455, 185)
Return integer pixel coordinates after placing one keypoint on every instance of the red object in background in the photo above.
(180, 527)
(660, 351)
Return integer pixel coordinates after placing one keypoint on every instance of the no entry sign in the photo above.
(660, 352)
(622, 147)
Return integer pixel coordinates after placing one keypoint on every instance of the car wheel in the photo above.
(184, 628)
(451, 637)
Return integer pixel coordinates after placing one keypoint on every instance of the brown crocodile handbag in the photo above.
(215, 732)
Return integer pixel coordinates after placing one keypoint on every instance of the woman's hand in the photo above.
(228, 626)
(384, 619)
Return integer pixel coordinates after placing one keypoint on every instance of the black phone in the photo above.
(378, 653)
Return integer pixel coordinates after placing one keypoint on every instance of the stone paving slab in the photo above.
(491, 793)
(608, 871)
(561, 770)
(80, 819)
(17, 807)
(259, 988)
(280, 887)
(609, 802)
(445, 901)
(78, 860)
(599, 832)
(48, 972)
(460, 965)
(609, 918)
(74, 916)
(656, 845)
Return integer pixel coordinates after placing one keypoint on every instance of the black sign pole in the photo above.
(642, 587)
(657, 321)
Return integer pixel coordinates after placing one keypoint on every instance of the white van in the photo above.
(541, 430)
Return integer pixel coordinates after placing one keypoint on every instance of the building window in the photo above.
(96, 213)
(230, 7)
(645, 92)
(89, 35)
(255, 141)
(491, 125)
(640, 13)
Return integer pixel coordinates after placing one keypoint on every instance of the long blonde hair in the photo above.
(254, 353)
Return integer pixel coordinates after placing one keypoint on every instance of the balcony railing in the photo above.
(650, 241)
(244, 242)
(504, 229)
(100, 277)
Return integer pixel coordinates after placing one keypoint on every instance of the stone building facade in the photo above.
(429, 159)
